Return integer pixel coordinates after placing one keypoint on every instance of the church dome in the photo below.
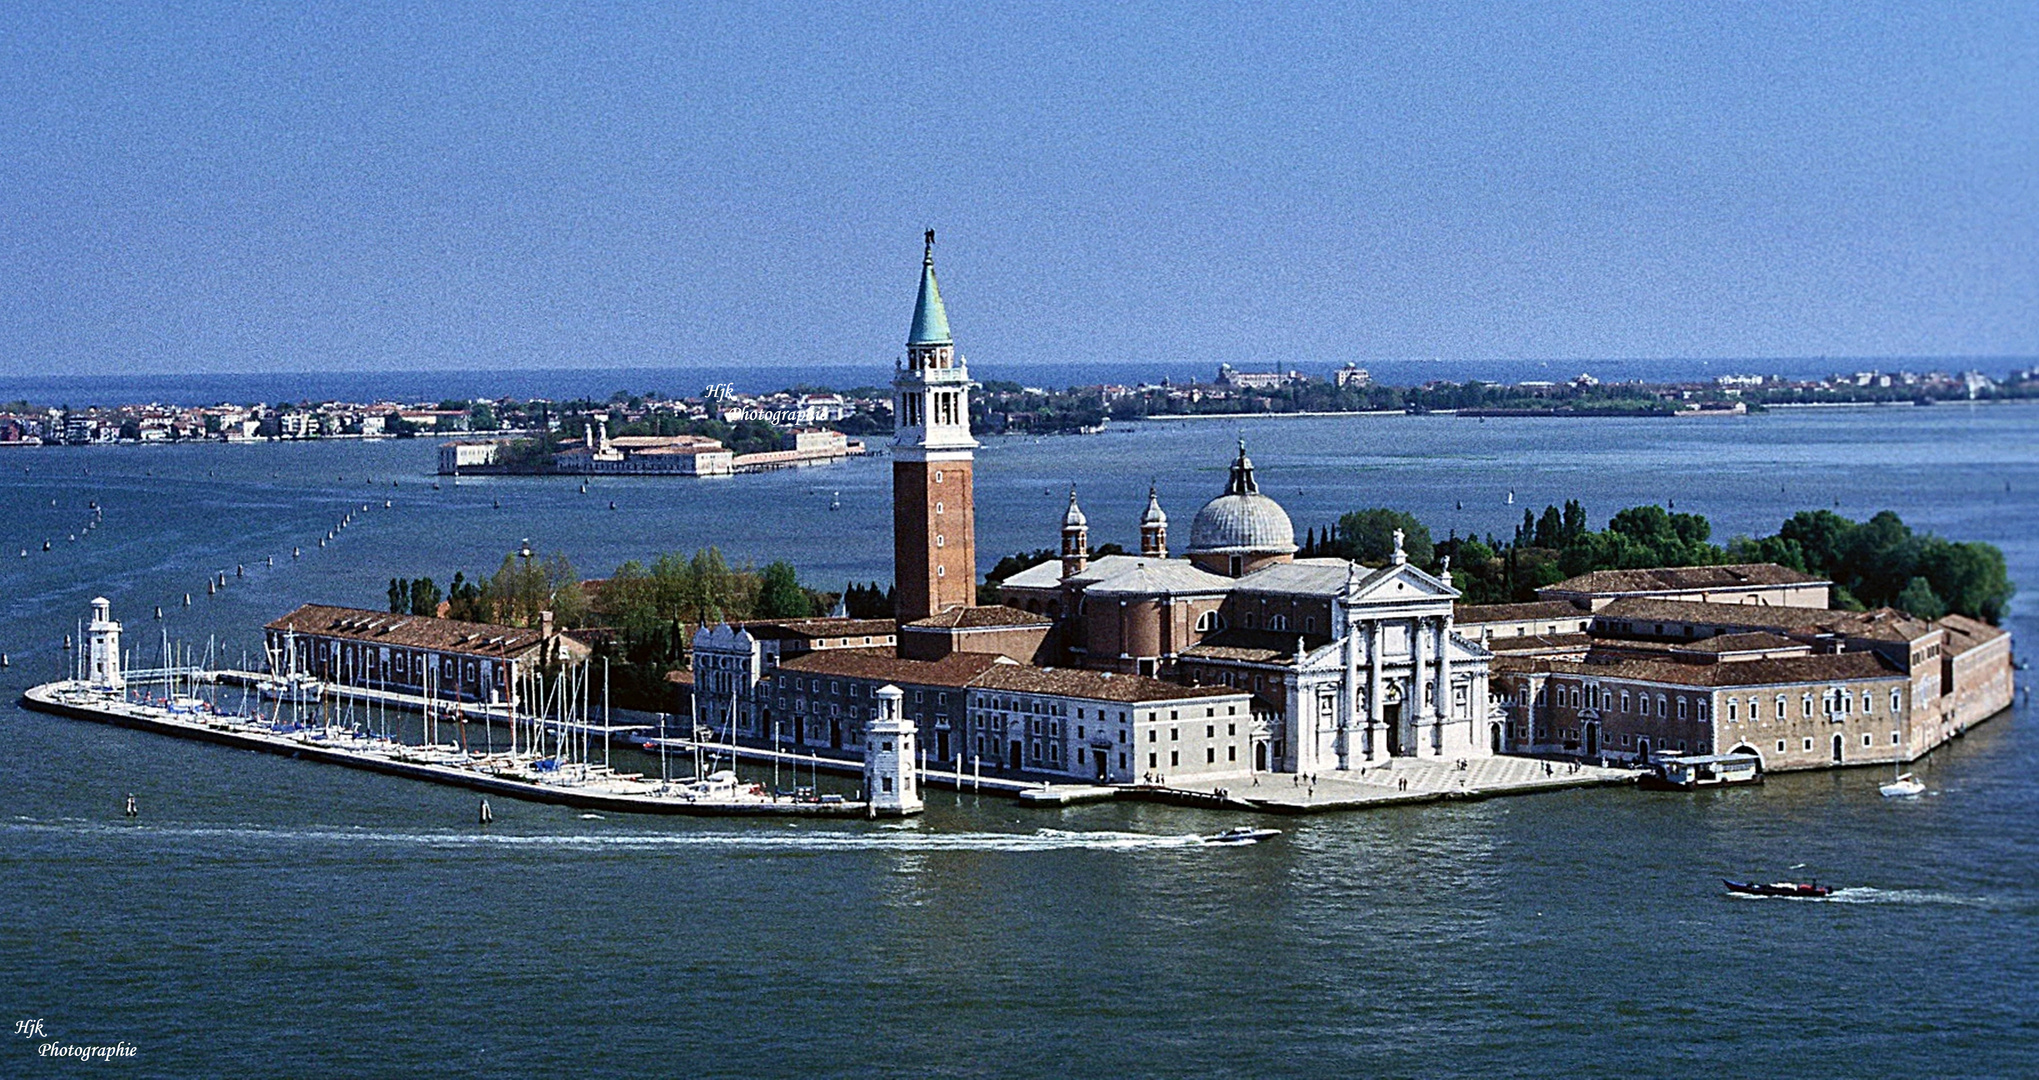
(1242, 521)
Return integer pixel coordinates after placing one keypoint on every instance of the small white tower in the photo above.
(103, 638)
(888, 759)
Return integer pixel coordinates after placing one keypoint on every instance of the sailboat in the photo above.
(1906, 786)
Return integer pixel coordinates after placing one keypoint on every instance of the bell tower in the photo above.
(934, 524)
(1075, 538)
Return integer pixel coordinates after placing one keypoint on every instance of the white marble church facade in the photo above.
(1395, 681)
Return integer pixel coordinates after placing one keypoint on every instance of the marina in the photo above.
(532, 777)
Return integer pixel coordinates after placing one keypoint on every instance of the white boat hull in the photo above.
(1904, 787)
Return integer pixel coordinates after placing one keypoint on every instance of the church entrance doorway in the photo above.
(1592, 740)
(1391, 718)
(1260, 757)
(1015, 754)
(1103, 770)
(1494, 737)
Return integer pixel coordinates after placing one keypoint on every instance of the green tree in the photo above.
(399, 597)
(423, 597)
(1917, 599)
(1819, 535)
(524, 587)
(1970, 578)
(1368, 536)
(780, 595)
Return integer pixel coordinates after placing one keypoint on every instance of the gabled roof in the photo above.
(1254, 646)
(1155, 577)
(1110, 574)
(414, 631)
(955, 670)
(1964, 633)
(1534, 610)
(809, 629)
(1303, 577)
(1883, 624)
(1095, 685)
(1823, 667)
(1683, 579)
(986, 617)
(1401, 581)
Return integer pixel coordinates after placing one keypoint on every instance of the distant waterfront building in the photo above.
(463, 455)
(1256, 380)
(1351, 376)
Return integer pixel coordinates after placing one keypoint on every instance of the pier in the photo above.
(529, 777)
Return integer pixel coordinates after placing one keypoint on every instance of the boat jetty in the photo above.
(547, 761)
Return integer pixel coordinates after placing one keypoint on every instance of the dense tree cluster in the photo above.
(1876, 563)
(1883, 562)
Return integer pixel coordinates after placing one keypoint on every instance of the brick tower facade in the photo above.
(934, 520)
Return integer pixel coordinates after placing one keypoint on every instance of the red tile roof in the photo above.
(989, 616)
(1683, 579)
(414, 631)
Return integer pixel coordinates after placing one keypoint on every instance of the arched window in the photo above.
(1277, 622)
(1210, 622)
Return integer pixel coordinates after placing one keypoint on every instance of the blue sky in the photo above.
(408, 186)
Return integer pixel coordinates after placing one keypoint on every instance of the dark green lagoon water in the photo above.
(271, 917)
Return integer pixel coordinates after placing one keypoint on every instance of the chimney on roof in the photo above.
(545, 627)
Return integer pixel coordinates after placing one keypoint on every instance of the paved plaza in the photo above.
(1406, 780)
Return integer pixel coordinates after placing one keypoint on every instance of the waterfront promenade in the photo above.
(1399, 781)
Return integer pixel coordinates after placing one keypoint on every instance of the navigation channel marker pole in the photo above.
(888, 759)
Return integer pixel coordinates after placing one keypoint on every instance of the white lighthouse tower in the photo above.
(888, 759)
(103, 637)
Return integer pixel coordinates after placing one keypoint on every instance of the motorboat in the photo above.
(1241, 834)
(1800, 890)
(1904, 787)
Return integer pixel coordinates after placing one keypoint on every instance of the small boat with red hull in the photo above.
(1796, 889)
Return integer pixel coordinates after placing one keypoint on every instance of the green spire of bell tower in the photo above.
(930, 319)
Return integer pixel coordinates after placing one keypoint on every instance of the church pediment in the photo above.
(1399, 583)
